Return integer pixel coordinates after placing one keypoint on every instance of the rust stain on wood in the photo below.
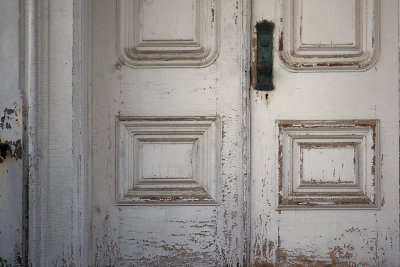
(263, 264)
(338, 256)
(253, 67)
(281, 42)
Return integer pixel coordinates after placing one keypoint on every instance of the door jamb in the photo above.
(56, 113)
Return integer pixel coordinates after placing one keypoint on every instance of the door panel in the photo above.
(325, 142)
(167, 137)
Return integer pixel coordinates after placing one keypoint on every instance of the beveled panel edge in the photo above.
(203, 55)
(357, 202)
(293, 63)
(205, 193)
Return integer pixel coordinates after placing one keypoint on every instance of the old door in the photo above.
(169, 133)
(324, 143)
(168, 143)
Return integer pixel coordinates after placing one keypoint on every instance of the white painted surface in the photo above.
(328, 164)
(176, 33)
(168, 160)
(203, 235)
(58, 217)
(168, 21)
(328, 35)
(332, 23)
(55, 231)
(327, 236)
(11, 132)
(188, 219)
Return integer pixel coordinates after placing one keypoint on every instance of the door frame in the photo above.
(56, 139)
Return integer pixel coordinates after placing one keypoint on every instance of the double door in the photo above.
(191, 166)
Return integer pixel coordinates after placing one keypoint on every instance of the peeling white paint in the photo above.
(11, 132)
(339, 237)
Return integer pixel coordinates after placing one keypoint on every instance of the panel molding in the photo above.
(342, 167)
(198, 51)
(200, 134)
(358, 55)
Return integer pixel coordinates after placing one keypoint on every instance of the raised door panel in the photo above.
(328, 164)
(172, 161)
(168, 33)
(339, 35)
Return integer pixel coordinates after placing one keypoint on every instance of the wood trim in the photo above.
(58, 105)
(28, 48)
(81, 125)
(398, 45)
(246, 126)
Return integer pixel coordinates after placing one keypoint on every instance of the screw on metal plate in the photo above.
(265, 32)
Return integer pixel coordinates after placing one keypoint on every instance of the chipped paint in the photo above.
(316, 199)
(312, 56)
(253, 68)
(164, 231)
(11, 133)
(318, 91)
(160, 244)
(11, 129)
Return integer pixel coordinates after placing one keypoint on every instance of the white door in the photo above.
(167, 130)
(324, 143)
(170, 123)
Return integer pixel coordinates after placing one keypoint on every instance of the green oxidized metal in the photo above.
(265, 32)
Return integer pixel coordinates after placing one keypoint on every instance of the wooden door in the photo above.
(324, 142)
(170, 121)
(169, 163)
